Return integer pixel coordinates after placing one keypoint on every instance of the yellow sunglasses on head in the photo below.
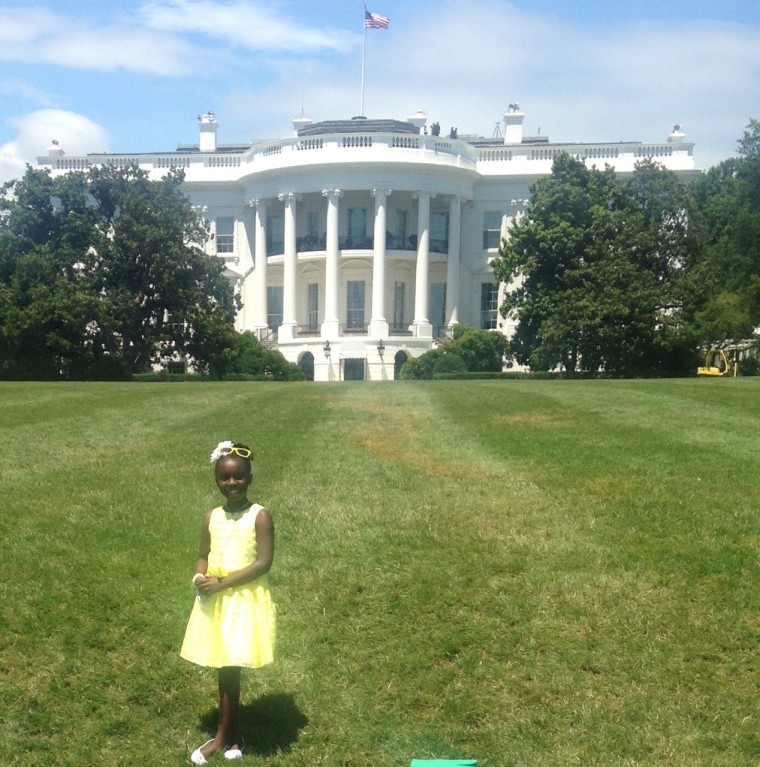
(243, 452)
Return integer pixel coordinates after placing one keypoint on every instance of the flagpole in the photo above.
(364, 47)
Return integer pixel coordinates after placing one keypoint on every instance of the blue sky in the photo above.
(134, 76)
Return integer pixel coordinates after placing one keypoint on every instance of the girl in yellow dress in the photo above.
(232, 624)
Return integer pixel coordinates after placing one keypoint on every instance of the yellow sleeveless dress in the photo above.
(235, 627)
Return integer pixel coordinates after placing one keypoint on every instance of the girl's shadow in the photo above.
(269, 724)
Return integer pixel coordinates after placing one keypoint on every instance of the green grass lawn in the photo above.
(532, 573)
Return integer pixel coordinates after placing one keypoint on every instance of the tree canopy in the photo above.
(248, 357)
(102, 274)
(599, 271)
(729, 195)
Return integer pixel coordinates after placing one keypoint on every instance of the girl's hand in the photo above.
(208, 585)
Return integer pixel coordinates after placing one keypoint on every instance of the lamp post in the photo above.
(326, 349)
(381, 348)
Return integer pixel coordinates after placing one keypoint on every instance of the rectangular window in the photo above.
(313, 299)
(312, 223)
(489, 305)
(225, 235)
(275, 235)
(399, 322)
(311, 240)
(439, 232)
(402, 219)
(491, 229)
(357, 227)
(438, 308)
(355, 305)
(274, 307)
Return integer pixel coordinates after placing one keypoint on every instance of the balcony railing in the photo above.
(311, 244)
(269, 338)
(354, 330)
(366, 147)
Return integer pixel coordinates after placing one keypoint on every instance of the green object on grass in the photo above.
(444, 763)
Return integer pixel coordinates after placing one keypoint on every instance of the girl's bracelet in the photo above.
(196, 576)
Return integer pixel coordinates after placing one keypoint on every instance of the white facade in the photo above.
(357, 244)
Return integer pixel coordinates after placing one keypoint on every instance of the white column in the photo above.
(331, 322)
(244, 245)
(289, 321)
(378, 325)
(260, 322)
(421, 324)
(452, 265)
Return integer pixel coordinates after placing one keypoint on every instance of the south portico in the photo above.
(337, 292)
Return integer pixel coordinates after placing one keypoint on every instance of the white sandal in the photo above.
(197, 756)
(236, 752)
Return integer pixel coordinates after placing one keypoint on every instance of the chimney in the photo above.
(677, 136)
(513, 120)
(55, 150)
(208, 127)
(301, 122)
(418, 120)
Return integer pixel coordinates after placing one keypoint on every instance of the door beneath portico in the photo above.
(353, 370)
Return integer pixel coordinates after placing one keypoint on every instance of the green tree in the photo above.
(51, 314)
(276, 366)
(596, 269)
(749, 143)
(449, 362)
(480, 350)
(470, 350)
(422, 367)
(729, 197)
(166, 293)
(247, 356)
(103, 274)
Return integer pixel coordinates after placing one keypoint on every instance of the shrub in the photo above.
(749, 366)
(449, 362)
(481, 350)
(420, 367)
(249, 358)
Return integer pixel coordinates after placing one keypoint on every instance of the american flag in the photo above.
(375, 20)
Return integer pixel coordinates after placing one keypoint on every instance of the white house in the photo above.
(356, 244)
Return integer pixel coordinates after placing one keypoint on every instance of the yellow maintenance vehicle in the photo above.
(717, 364)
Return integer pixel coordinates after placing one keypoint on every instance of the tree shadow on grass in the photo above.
(270, 724)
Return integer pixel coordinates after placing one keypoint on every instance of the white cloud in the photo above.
(75, 133)
(22, 27)
(18, 88)
(157, 39)
(248, 24)
(38, 36)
